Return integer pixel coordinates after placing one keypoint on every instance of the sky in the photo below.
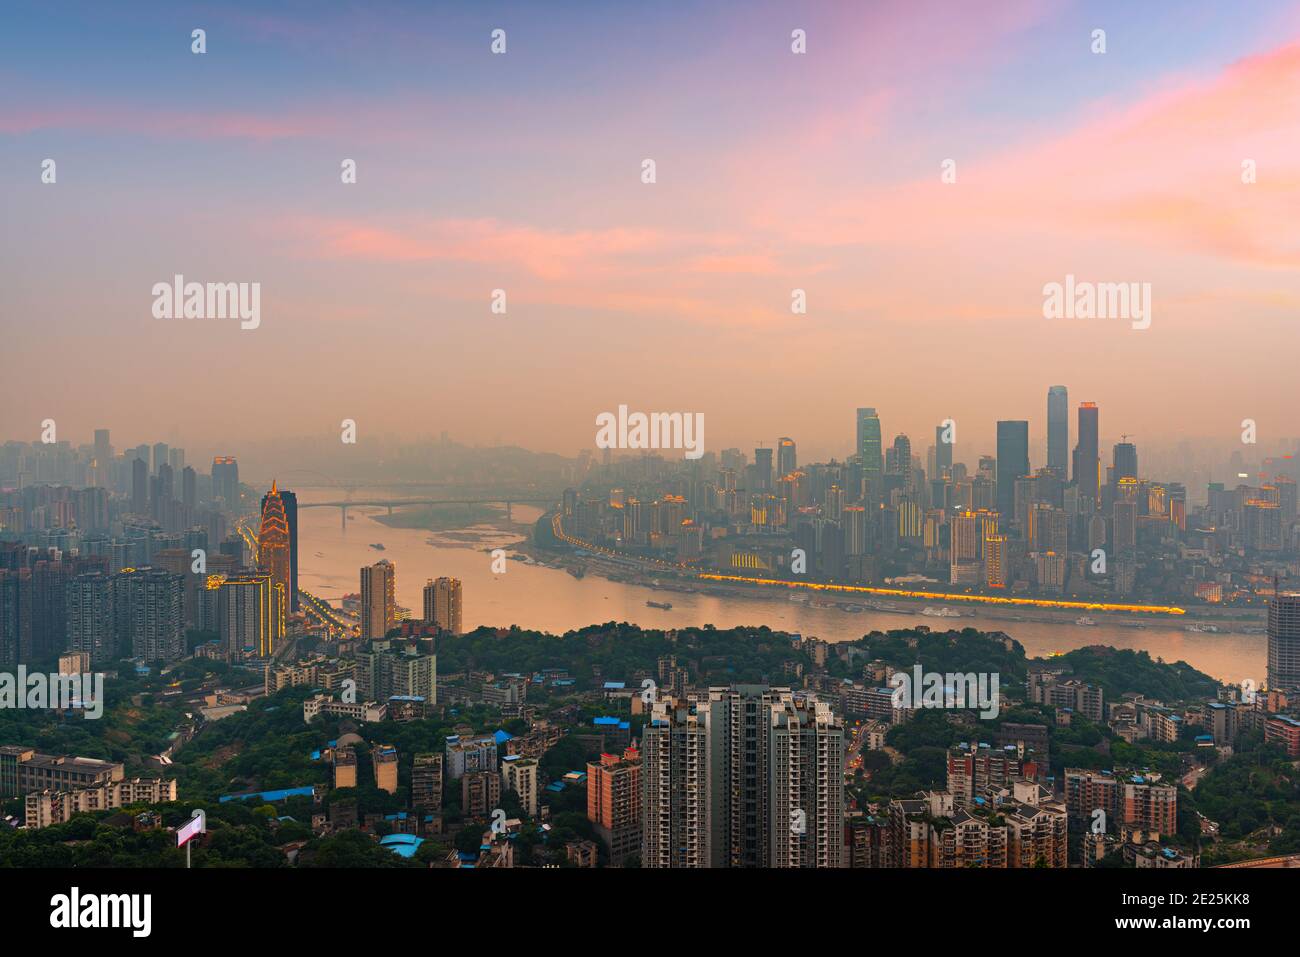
(523, 171)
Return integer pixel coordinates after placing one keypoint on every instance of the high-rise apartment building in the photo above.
(149, 603)
(471, 754)
(480, 793)
(676, 813)
(748, 776)
(15, 616)
(91, 620)
(519, 774)
(614, 802)
(1284, 643)
(250, 615)
(442, 604)
(397, 672)
(378, 604)
(426, 782)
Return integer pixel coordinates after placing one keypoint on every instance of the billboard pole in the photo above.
(198, 825)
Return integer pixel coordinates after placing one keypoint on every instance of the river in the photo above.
(550, 599)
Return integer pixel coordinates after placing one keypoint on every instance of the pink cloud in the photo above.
(1164, 171)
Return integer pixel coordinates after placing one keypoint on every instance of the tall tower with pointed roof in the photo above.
(273, 543)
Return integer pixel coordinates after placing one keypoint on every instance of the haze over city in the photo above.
(774, 173)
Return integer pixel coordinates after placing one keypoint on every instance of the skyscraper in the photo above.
(139, 486)
(899, 460)
(1013, 463)
(289, 501)
(1087, 457)
(150, 605)
(225, 480)
(942, 453)
(1284, 643)
(15, 616)
(91, 621)
(189, 488)
(378, 606)
(273, 543)
(159, 455)
(1058, 431)
(102, 474)
(250, 615)
(1125, 459)
(762, 470)
(868, 448)
(786, 459)
(747, 776)
(675, 809)
(442, 604)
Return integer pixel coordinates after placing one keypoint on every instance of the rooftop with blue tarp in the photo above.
(615, 685)
(269, 796)
(502, 737)
(404, 845)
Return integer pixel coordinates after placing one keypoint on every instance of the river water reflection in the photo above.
(550, 599)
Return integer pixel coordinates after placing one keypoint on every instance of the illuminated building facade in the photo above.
(273, 541)
(250, 613)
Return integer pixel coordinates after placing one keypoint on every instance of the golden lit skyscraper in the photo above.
(995, 561)
(273, 542)
(378, 606)
(442, 604)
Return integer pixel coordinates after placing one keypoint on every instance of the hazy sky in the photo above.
(522, 172)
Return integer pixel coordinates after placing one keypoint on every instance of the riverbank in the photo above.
(942, 607)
